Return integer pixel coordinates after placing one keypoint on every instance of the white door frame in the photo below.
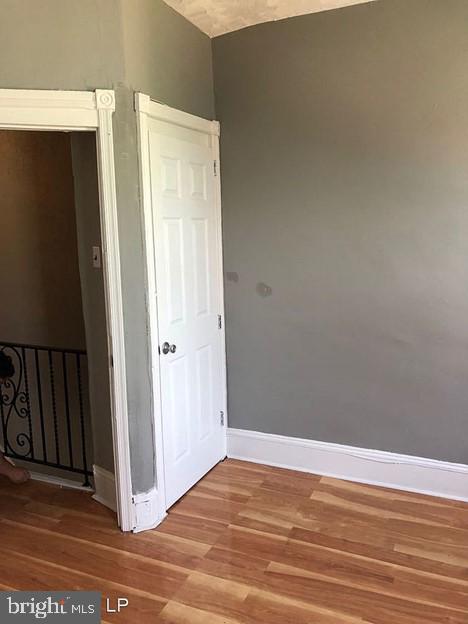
(24, 109)
(145, 109)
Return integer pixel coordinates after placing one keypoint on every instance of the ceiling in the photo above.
(216, 17)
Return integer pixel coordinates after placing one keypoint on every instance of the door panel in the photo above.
(188, 302)
(204, 378)
(200, 242)
(178, 409)
(174, 261)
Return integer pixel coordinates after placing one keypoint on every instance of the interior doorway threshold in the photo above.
(60, 481)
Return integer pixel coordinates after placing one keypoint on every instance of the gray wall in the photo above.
(345, 189)
(83, 150)
(52, 44)
(167, 57)
(88, 44)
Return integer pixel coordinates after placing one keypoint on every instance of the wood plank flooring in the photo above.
(249, 544)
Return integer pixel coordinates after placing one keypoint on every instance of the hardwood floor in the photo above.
(249, 545)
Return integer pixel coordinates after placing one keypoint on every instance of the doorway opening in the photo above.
(92, 112)
(55, 409)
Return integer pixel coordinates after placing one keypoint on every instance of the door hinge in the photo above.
(220, 321)
(215, 167)
(221, 418)
(112, 361)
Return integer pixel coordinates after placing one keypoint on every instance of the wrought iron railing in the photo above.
(44, 408)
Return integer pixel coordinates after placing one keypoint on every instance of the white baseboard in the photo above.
(144, 505)
(392, 470)
(104, 484)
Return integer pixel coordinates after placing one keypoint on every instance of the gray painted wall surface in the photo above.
(133, 291)
(83, 148)
(345, 189)
(86, 44)
(54, 44)
(167, 57)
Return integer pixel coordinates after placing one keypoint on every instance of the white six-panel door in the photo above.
(187, 264)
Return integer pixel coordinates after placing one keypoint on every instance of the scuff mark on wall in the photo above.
(263, 290)
(232, 276)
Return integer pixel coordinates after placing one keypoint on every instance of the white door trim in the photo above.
(144, 104)
(146, 108)
(24, 109)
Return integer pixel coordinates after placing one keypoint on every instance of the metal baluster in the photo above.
(28, 402)
(54, 405)
(2, 414)
(41, 411)
(67, 408)
(83, 439)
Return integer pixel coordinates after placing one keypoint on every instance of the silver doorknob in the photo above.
(168, 347)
